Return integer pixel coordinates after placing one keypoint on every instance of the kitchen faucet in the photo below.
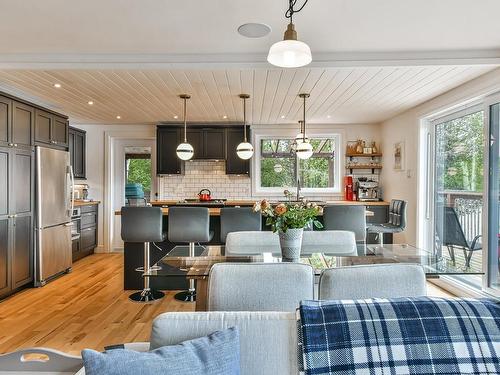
(298, 189)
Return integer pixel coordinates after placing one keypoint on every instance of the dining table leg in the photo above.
(201, 294)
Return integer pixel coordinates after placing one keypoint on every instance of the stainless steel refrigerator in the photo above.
(54, 196)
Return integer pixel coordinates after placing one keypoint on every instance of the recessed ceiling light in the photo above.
(328, 116)
(118, 117)
(254, 30)
(282, 116)
(90, 102)
(224, 117)
(57, 85)
(176, 117)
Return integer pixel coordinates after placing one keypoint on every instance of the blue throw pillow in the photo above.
(215, 354)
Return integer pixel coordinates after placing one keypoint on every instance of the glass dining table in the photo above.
(196, 263)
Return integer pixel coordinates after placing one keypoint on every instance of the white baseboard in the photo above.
(100, 249)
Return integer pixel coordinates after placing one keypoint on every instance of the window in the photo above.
(280, 168)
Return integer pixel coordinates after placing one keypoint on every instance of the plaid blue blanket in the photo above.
(400, 336)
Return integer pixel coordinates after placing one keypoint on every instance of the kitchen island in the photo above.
(379, 213)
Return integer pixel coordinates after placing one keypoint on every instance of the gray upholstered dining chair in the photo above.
(143, 225)
(396, 223)
(189, 225)
(237, 219)
(252, 242)
(332, 242)
(259, 286)
(372, 281)
(351, 218)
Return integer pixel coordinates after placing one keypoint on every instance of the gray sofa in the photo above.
(268, 342)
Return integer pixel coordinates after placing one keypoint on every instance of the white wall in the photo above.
(405, 127)
(96, 162)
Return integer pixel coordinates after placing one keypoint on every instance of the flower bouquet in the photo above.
(289, 220)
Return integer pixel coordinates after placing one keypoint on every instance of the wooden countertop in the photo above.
(241, 202)
(79, 203)
(216, 212)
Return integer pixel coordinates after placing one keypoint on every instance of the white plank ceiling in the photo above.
(338, 95)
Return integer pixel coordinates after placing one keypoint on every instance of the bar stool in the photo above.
(238, 219)
(143, 225)
(189, 225)
(396, 224)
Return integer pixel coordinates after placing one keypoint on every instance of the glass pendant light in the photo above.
(290, 52)
(185, 151)
(304, 149)
(245, 148)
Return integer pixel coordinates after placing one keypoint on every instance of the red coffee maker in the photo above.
(348, 188)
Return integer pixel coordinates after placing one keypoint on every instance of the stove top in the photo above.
(197, 202)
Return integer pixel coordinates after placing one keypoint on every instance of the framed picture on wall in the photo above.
(399, 156)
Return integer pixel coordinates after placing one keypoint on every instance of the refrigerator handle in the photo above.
(72, 176)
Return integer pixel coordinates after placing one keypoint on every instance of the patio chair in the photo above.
(452, 236)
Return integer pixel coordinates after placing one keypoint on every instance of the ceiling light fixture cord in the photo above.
(185, 125)
(245, 119)
(304, 120)
(290, 11)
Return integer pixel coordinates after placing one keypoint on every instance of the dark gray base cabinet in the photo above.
(16, 219)
(78, 152)
(87, 242)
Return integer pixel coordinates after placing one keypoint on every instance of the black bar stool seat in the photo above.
(143, 225)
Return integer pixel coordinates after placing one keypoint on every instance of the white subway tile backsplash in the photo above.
(204, 174)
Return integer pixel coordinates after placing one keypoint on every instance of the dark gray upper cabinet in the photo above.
(5, 120)
(195, 139)
(77, 150)
(43, 126)
(16, 123)
(235, 165)
(214, 143)
(23, 117)
(51, 130)
(60, 131)
(209, 143)
(167, 140)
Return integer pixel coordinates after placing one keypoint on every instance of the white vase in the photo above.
(291, 244)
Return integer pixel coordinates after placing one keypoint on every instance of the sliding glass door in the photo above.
(458, 178)
(491, 262)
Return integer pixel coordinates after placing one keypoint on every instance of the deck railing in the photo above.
(469, 209)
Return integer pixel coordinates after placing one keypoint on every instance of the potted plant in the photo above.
(289, 220)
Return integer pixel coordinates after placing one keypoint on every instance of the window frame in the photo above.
(289, 133)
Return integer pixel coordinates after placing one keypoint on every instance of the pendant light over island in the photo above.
(304, 149)
(185, 151)
(245, 148)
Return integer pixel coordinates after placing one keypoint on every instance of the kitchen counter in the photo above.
(79, 203)
(241, 202)
(213, 211)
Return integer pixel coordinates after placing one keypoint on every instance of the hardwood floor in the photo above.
(85, 309)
